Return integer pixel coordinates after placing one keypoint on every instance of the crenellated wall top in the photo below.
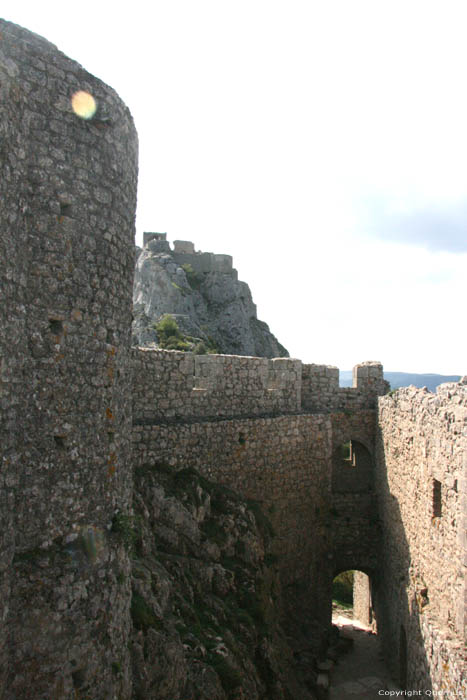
(169, 384)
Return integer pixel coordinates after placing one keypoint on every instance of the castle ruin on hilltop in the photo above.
(81, 409)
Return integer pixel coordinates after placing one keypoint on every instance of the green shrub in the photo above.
(167, 328)
(230, 677)
(194, 279)
(174, 343)
(170, 337)
(345, 451)
(182, 291)
(204, 347)
(213, 348)
(200, 348)
(142, 614)
(342, 588)
(128, 528)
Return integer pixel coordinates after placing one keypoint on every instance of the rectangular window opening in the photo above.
(437, 504)
(56, 326)
(60, 442)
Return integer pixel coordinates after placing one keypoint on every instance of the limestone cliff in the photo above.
(203, 293)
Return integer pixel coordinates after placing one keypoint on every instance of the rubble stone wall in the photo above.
(14, 256)
(68, 193)
(203, 263)
(321, 390)
(170, 384)
(422, 493)
(283, 462)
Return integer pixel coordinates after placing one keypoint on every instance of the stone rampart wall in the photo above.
(321, 391)
(422, 492)
(203, 263)
(168, 384)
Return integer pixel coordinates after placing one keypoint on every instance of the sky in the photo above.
(322, 144)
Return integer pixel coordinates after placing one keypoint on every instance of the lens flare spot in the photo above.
(84, 104)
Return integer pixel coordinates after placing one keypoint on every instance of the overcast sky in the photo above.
(322, 143)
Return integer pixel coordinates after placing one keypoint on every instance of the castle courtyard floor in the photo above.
(360, 673)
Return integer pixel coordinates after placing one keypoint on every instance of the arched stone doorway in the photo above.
(352, 592)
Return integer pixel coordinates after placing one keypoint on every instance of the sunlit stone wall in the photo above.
(68, 192)
(422, 493)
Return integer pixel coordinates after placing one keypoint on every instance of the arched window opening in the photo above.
(352, 470)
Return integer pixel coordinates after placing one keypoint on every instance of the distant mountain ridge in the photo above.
(398, 379)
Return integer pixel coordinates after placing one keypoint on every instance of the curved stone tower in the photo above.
(68, 195)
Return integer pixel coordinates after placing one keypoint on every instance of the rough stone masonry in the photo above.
(351, 480)
(68, 193)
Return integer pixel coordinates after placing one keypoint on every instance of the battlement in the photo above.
(184, 253)
(203, 263)
(169, 384)
(184, 247)
(153, 236)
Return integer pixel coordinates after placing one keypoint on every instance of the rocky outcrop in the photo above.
(203, 293)
(203, 590)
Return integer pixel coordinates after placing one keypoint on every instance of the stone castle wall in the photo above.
(422, 493)
(321, 391)
(180, 385)
(271, 429)
(68, 191)
(170, 384)
(283, 462)
(240, 421)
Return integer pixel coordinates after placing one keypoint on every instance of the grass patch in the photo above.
(142, 614)
(128, 528)
(342, 589)
(230, 677)
(194, 279)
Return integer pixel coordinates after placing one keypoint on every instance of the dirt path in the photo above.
(360, 673)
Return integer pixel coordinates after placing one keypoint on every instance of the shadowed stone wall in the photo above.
(14, 256)
(282, 462)
(241, 422)
(68, 192)
(422, 493)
